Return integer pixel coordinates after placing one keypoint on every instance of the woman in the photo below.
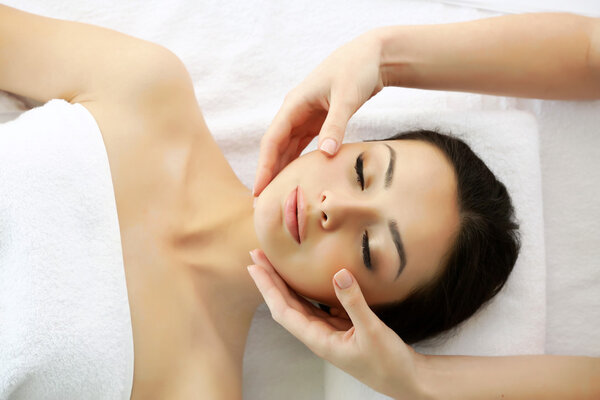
(187, 223)
(492, 56)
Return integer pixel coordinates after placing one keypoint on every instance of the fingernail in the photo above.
(329, 146)
(343, 279)
(253, 257)
(254, 202)
(250, 268)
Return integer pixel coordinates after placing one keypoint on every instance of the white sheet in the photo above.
(583, 7)
(245, 56)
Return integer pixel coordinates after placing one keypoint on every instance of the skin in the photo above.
(421, 199)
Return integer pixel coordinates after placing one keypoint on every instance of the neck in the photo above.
(215, 250)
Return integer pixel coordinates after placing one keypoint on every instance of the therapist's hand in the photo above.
(322, 104)
(365, 347)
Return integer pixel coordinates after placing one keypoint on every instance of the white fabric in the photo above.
(65, 328)
(570, 139)
(244, 56)
(583, 7)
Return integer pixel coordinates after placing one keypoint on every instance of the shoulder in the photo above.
(147, 119)
(154, 96)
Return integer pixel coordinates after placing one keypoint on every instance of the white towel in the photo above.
(65, 327)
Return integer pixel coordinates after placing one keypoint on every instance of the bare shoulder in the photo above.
(153, 97)
(147, 120)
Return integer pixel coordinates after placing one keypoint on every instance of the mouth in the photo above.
(301, 213)
(294, 214)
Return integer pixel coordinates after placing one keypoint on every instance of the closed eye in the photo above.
(359, 171)
(366, 251)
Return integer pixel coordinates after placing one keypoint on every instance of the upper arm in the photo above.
(139, 93)
(44, 58)
(130, 85)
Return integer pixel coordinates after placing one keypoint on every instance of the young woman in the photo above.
(401, 215)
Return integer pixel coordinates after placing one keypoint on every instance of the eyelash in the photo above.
(366, 251)
(365, 239)
(359, 171)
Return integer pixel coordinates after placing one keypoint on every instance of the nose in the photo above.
(338, 210)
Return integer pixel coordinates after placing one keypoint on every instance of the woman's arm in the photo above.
(527, 377)
(45, 58)
(548, 56)
(127, 83)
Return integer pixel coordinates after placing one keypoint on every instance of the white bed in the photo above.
(244, 56)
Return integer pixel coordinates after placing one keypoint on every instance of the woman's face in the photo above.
(386, 211)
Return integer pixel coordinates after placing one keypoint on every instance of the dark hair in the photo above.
(479, 262)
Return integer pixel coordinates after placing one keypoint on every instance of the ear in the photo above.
(339, 312)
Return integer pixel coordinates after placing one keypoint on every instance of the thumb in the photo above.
(334, 127)
(349, 294)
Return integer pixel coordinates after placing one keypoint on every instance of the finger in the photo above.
(273, 297)
(296, 322)
(298, 106)
(291, 297)
(334, 127)
(275, 137)
(311, 314)
(329, 337)
(259, 258)
(350, 296)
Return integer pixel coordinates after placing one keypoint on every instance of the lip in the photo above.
(301, 213)
(290, 214)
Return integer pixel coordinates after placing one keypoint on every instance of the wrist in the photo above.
(394, 61)
(425, 378)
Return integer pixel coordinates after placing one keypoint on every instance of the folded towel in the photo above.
(65, 327)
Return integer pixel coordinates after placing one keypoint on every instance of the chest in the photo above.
(174, 186)
(177, 352)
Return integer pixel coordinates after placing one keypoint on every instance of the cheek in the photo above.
(333, 254)
(311, 274)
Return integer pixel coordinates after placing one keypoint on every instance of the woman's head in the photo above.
(409, 217)
(387, 211)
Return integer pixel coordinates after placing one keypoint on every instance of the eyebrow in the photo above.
(389, 173)
(399, 246)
